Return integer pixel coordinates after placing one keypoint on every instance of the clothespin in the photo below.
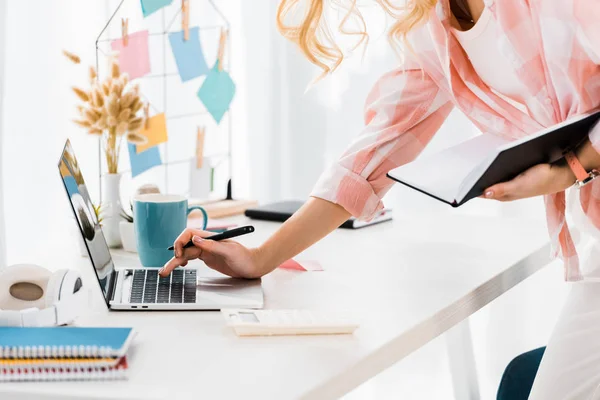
(125, 30)
(221, 53)
(185, 19)
(147, 116)
(200, 147)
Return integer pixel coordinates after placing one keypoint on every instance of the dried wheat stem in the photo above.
(82, 94)
(73, 57)
(93, 75)
(115, 72)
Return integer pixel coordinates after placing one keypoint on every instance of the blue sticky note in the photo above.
(143, 161)
(216, 92)
(151, 6)
(188, 54)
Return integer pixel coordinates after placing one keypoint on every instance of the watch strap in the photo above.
(580, 173)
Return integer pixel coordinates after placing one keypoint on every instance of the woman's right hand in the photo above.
(228, 257)
(313, 221)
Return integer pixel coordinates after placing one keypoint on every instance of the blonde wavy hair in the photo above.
(315, 39)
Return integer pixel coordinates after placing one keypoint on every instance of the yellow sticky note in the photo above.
(156, 133)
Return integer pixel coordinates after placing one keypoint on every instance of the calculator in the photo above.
(288, 322)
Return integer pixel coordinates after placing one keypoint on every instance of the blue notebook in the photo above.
(64, 342)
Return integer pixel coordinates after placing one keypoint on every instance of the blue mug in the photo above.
(158, 220)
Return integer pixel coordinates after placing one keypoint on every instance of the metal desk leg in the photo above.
(462, 362)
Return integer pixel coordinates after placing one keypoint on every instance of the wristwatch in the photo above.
(583, 177)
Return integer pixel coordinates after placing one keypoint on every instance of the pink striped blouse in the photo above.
(554, 47)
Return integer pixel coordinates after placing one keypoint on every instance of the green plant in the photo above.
(98, 212)
(127, 216)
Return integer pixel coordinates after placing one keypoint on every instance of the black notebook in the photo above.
(461, 173)
(283, 210)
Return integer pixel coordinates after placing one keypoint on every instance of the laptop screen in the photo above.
(87, 221)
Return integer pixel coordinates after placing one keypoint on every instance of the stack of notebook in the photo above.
(63, 353)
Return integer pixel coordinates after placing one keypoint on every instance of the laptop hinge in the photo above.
(112, 286)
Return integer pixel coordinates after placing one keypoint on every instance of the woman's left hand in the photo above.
(536, 181)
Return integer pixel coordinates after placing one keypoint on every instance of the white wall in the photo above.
(37, 112)
(2, 43)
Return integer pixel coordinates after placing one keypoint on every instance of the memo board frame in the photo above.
(170, 25)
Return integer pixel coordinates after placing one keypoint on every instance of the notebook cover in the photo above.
(16, 363)
(70, 339)
(549, 146)
(278, 212)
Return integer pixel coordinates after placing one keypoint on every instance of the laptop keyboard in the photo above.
(148, 287)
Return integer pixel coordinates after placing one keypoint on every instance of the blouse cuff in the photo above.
(350, 190)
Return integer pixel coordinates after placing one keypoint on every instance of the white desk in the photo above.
(409, 280)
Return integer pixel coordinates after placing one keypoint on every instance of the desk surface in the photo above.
(408, 281)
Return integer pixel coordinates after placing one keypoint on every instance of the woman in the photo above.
(513, 67)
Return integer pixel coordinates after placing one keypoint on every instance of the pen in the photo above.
(222, 236)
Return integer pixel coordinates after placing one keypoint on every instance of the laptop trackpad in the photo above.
(226, 291)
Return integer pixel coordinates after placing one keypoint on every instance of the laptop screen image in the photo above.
(87, 221)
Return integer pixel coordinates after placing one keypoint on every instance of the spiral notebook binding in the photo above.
(62, 373)
(56, 352)
(19, 363)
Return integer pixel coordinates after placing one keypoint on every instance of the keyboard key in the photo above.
(151, 285)
(177, 276)
(189, 287)
(176, 293)
(164, 286)
(136, 297)
(137, 286)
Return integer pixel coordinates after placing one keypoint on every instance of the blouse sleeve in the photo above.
(587, 27)
(403, 111)
(587, 17)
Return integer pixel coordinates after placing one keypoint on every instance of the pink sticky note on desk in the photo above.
(304, 265)
(134, 58)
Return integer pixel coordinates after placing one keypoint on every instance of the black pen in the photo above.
(222, 236)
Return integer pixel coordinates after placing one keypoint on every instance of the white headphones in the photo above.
(33, 296)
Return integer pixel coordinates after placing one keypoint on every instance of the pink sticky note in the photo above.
(294, 265)
(134, 58)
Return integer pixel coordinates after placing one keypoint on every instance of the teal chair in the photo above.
(518, 376)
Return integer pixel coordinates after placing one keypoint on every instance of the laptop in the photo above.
(138, 288)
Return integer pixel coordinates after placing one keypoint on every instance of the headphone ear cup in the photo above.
(72, 284)
(23, 273)
(53, 289)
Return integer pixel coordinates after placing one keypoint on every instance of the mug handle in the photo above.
(204, 215)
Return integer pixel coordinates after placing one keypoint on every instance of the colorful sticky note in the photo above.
(188, 54)
(141, 162)
(155, 132)
(305, 266)
(216, 92)
(151, 6)
(133, 58)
